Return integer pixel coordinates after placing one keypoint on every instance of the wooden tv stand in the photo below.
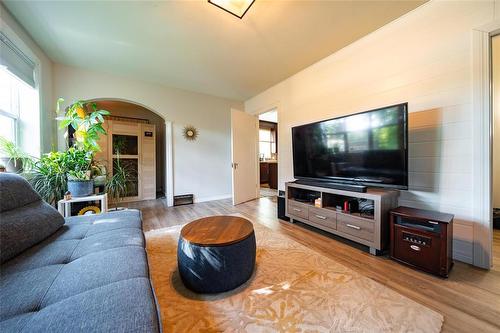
(367, 228)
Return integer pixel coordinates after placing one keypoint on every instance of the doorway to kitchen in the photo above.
(268, 153)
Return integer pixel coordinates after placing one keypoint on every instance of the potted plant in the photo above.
(48, 177)
(86, 120)
(116, 185)
(78, 165)
(13, 158)
(51, 174)
(99, 174)
(80, 184)
(54, 172)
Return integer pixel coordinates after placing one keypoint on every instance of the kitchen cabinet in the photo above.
(269, 174)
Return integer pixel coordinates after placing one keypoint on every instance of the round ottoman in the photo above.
(216, 254)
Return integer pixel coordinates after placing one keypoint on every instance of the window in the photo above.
(267, 143)
(18, 106)
(19, 102)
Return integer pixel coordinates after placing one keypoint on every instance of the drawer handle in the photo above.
(320, 217)
(353, 226)
(414, 247)
(297, 210)
(432, 222)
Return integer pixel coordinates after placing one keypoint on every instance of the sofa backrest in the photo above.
(15, 192)
(25, 219)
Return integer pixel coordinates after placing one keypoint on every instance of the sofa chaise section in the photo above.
(91, 275)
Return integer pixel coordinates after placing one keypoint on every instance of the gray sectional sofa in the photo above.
(79, 274)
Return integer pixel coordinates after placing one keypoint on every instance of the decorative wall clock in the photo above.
(190, 133)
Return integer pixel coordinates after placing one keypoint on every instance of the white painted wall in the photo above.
(202, 167)
(423, 58)
(495, 45)
(42, 126)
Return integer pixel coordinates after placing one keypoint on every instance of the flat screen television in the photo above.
(367, 148)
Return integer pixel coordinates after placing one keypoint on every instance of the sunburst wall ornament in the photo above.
(190, 133)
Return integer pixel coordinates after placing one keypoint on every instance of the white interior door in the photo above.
(244, 156)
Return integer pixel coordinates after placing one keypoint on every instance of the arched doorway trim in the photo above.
(169, 165)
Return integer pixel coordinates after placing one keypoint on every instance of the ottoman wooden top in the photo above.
(217, 230)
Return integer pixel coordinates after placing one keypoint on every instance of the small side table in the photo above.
(64, 206)
(216, 253)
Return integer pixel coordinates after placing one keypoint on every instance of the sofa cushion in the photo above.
(44, 254)
(96, 270)
(79, 231)
(15, 192)
(123, 306)
(23, 227)
(91, 275)
(23, 292)
(109, 240)
(15, 324)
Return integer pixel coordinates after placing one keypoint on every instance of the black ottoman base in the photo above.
(215, 269)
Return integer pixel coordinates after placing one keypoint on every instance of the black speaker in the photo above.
(496, 218)
(281, 207)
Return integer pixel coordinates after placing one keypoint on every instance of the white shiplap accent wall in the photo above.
(423, 58)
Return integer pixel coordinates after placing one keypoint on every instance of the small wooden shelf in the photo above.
(356, 215)
(303, 202)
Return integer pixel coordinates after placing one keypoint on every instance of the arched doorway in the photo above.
(131, 111)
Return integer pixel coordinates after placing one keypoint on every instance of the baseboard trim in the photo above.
(212, 198)
(462, 258)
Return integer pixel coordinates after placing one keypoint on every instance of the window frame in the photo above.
(14, 114)
(15, 125)
(271, 142)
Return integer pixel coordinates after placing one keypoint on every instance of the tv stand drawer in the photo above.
(323, 217)
(355, 227)
(298, 209)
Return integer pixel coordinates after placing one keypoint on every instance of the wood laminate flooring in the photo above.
(469, 299)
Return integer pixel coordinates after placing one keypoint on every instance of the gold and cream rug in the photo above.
(293, 289)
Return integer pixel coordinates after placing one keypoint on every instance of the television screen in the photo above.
(369, 148)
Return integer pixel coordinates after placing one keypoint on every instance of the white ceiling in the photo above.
(196, 46)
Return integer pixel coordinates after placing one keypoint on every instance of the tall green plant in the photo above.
(116, 186)
(86, 120)
(48, 176)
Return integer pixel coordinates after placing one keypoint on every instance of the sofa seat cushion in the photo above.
(88, 266)
(41, 255)
(108, 240)
(123, 306)
(24, 291)
(96, 270)
(81, 236)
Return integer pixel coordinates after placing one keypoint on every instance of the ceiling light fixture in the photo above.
(237, 8)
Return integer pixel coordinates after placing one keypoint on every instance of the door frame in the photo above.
(169, 164)
(482, 140)
(257, 114)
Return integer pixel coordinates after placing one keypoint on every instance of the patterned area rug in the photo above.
(293, 289)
